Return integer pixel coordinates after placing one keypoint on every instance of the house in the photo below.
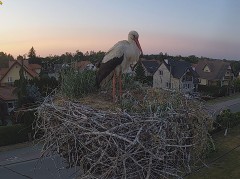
(10, 74)
(83, 65)
(175, 75)
(8, 99)
(35, 67)
(214, 72)
(150, 66)
(238, 75)
(55, 70)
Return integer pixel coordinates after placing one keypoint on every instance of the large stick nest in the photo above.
(155, 135)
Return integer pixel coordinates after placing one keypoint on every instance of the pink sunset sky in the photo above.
(202, 28)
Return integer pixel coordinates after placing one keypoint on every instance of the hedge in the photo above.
(214, 91)
(13, 134)
(225, 120)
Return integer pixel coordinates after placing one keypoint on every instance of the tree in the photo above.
(21, 87)
(140, 73)
(4, 59)
(236, 84)
(235, 67)
(32, 53)
(19, 57)
(32, 58)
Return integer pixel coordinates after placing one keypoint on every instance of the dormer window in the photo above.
(206, 69)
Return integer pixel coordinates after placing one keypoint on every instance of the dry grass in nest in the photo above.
(156, 134)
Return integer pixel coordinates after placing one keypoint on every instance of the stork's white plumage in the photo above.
(118, 60)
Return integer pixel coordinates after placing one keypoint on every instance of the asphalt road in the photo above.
(233, 105)
(25, 163)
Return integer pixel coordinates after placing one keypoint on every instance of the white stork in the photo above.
(117, 60)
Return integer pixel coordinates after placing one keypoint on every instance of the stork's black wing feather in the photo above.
(106, 68)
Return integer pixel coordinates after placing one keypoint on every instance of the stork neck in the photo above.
(130, 40)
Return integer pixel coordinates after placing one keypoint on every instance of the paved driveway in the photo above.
(24, 163)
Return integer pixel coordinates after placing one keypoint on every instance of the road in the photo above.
(233, 105)
(25, 163)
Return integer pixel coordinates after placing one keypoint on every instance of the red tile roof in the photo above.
(34, 66)
(81, 65)
(6, 93)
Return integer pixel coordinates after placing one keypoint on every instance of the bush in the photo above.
(214, 91)
(225, 120)
(13, 134)
(78, 84)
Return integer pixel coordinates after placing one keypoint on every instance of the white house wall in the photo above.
(160, 81)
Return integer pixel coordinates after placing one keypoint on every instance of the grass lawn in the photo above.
(225, 98)
(227, 166)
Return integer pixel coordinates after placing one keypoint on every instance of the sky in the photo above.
(208, 28)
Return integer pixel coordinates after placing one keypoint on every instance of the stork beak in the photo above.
(139, 46)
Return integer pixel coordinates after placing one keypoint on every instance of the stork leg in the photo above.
(120, 85)
(114, 87)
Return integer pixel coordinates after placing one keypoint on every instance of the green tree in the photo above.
(236, 84)
(235, 67)
(4, 59)
(32, 58)
(32, 53)
(20, 57)
(21, 87)
(140, 73)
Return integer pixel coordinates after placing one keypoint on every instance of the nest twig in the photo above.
(157, 144)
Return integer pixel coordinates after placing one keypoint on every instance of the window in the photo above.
(160, 72)
(10, 105)
(206, 69)
(10, 79)
(186, 86)
(168, 85)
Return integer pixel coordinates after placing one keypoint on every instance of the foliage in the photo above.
(235, 65)
(44, 84)
(13, 134)
(214, 91)
(227, 119)
(129, 82)
(94, 57)
(21, 87)
(78, 84)
(140, 74)
(236, 84)
(4, 59)
(32, 57)
(33, 93)
(162, 56)
(32, 53)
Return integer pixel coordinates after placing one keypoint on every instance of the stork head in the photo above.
(133, 36)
